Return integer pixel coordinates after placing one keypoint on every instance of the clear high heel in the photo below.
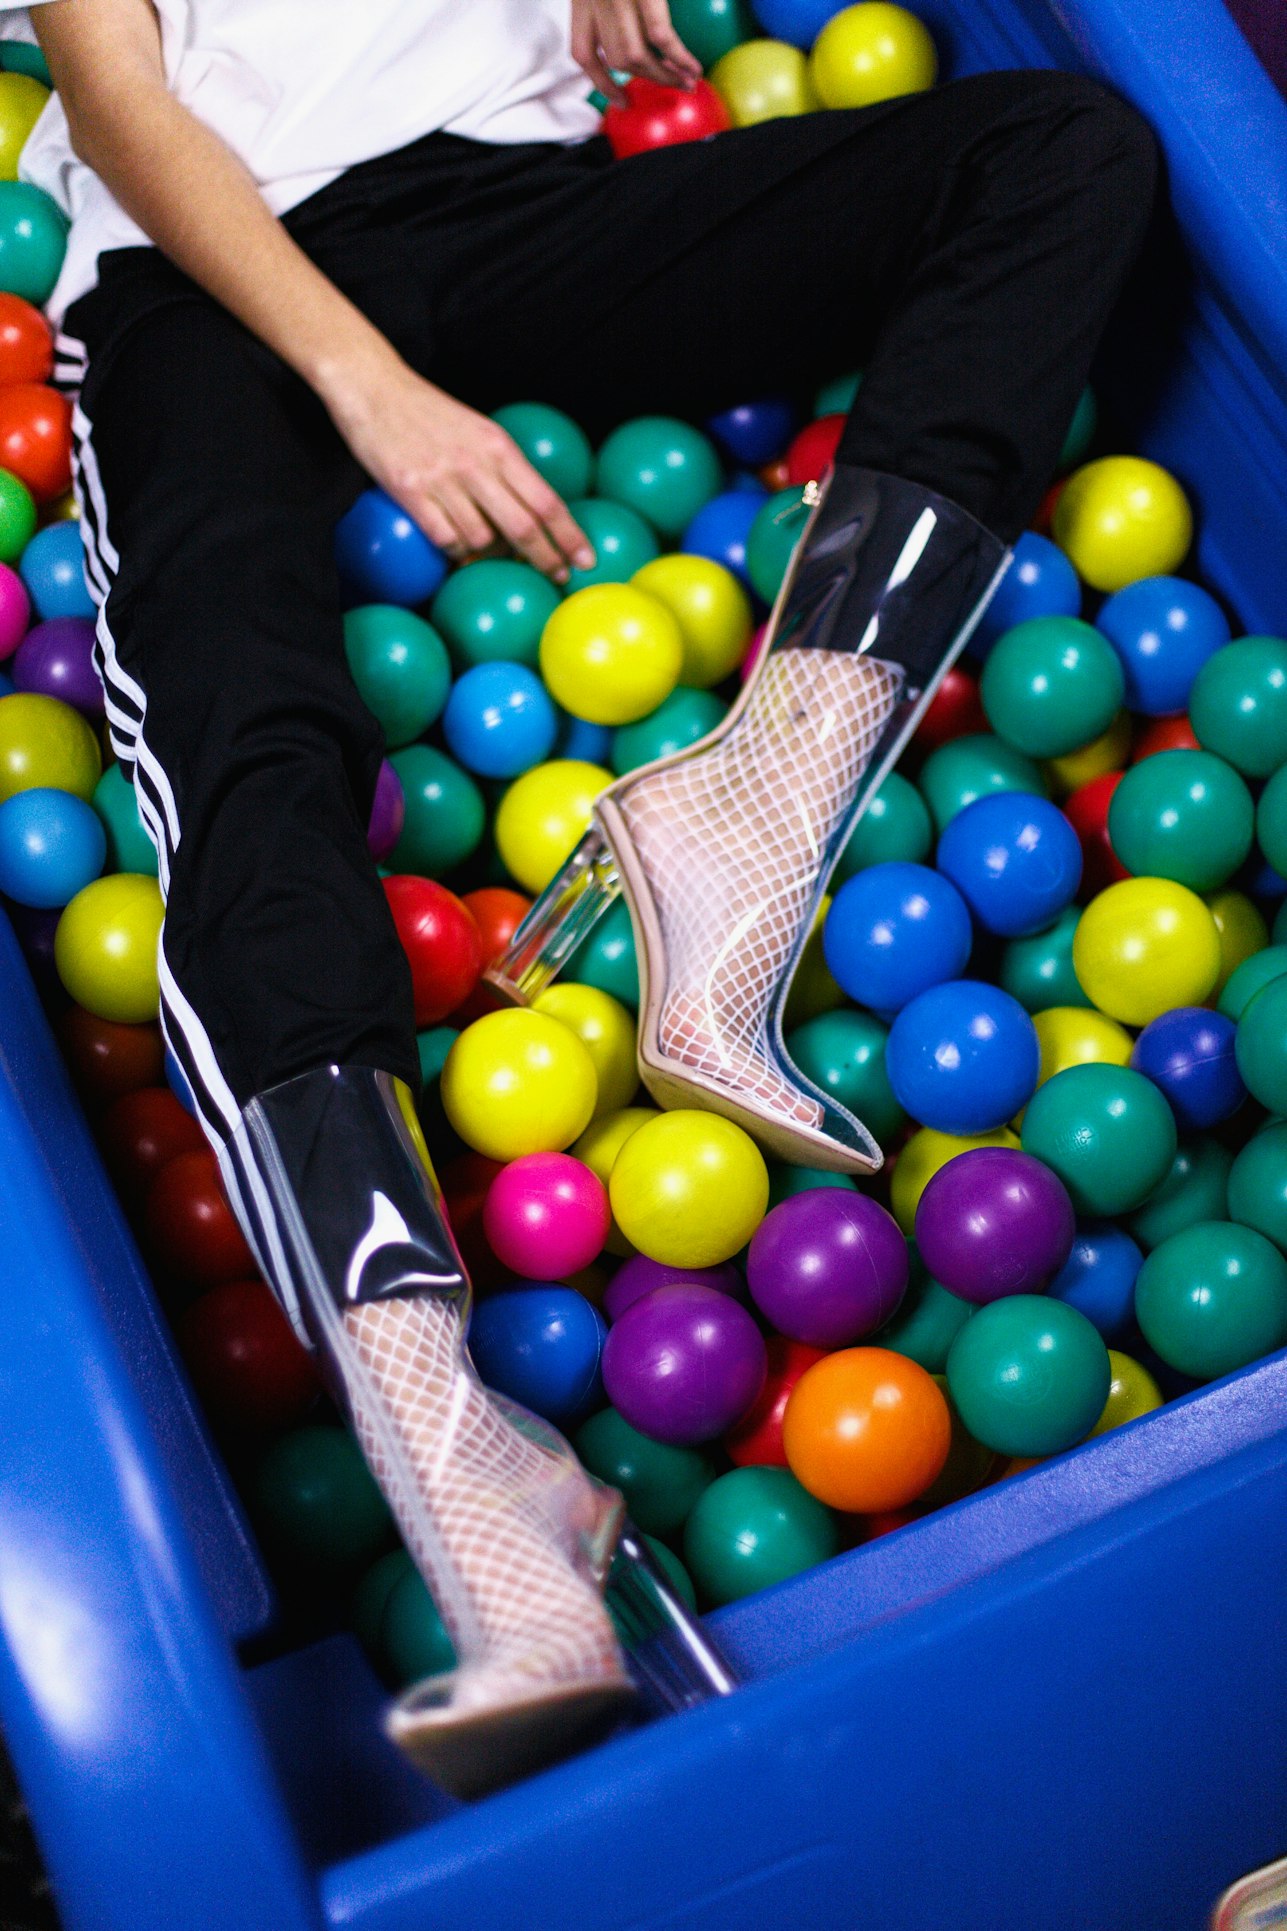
(724, 850)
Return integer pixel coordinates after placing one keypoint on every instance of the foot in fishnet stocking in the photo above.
(732, 842)
(496, 1522)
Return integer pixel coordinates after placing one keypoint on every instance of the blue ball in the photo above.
(7, 685)
(53, 568)
(586, 742)
(720, 529)
(52, 844)
(383, 556)
(500, 720)
(1015, 860)
(963, 1057)
(1040, 582)
(177, 1081)
(1163, 629)
(799, 21)
(893, 930)
(754, 432)
(1188, 1052)
(540, 1344)
(1098, 1277)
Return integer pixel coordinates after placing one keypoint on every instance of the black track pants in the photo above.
(964, 246)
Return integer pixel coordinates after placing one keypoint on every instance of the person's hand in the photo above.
(457, 473)
(634, 37)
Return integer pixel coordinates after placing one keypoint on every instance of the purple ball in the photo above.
(387, 813)
(994, 1222)
(684, 1364)
(639, 1276)
(827, 1267)
(56, 659)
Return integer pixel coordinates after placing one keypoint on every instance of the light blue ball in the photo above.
(52, 845)
(53, 568)
(500, 720)
(1163, 629)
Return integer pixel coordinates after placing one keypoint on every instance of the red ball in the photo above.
(774, 475)
(813, 451)
(441, 941)
(246, 1363)
(35, 438)
(661, 117)
(757, 1439)
(954, 711)
(1087, 813)
(140, 1134)
(26, 342)
(1045, 516)
(498, 913)
(108, 1059)
(1163, 734)
(190, 1229)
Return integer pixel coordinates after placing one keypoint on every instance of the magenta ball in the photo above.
(387, 813)
(15, 610)
(639, 1276)
(827, 1266)
(546, 1215)
(994, 1222)
(56, 659)
(684, 1364)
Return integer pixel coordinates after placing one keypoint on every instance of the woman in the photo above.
(312, 242)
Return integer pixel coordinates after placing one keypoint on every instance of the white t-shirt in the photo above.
(303, 89)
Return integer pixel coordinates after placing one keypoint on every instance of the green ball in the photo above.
(433, 1047)
(785, 1182)
(771, 542)
(621, 540)
(1260, 1046)
(967, 768)
(662, 467)
(1106, 1131)
(400, 666)
(556, 447)
(661, 1483)
(752, 1528)
(366, 1612)
(317, 1502)
(1245, 981)
(1258, 1184)
(1038, 970)
(1081, 432)
(33, 241)
(445, 812)
(413, 1638)
(674, 1571)
(129, 849)
(16, 57)
(1213, 1298)
(836, 398)
(1029, 1375)
(495, 610)
(843, 1052)
(1050, 685)
(678, 721)
(1195, 1187)
(895, 825)
(927, 1322)
(17, 516)
(712, 28)
(1183, 815)
(606, 957)
(1238, 705)
(1271, 825)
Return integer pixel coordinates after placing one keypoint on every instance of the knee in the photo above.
(1103, 140)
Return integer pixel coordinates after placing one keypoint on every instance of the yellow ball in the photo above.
(711, 608)
(1107, 752)
(22, 101)
(1122, 518)
(813, 990)
(543, 815)
(1077, 1036)
(689, 1189)
(762, 80)
(606, 1030)
(1131, 1392)
(871, 52)
(598, 1148)
(105, 948)
(921, 1158)
(44, 742)
(1241, 928)
(1143, 946)
(610, 653)
(518, 1082)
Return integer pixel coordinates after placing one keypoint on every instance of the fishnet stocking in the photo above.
(496, 1521)
(733, 842)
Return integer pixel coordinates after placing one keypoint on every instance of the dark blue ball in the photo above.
(53, 569)
(893, 930)
(1098, 1277)
(1163, 629)
(963, 1057)
(754, 432)
(1040, 582)
(500, 720)
(1015, 860)
(383, 556)
(799, 21)
(1188, 1052)
(540, 1344)
(720, 529)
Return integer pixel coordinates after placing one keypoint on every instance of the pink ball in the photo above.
(15, 610)
(754, 651)
(546, 1216)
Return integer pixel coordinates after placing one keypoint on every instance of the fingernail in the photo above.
(584, 558)
(562, 575)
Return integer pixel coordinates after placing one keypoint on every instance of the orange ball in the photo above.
(35, 438)
(26, 342)
(866, 1430)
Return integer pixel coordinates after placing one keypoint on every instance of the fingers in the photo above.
(534, 521)
(666, 43)
(625, 41)
(585, 52)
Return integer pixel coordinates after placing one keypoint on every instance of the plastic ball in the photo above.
(684, 1363)
(966, 768)
(51, 846)
(22, 101)
(400, 666)
(606, 1030)
(15, 611)
(684, 717)
(518, 1082)
(611, 653)
(1050, 685)
(106, 947)
(1195, 1187)
(44, 743)
(1239, 705)
(1189, 1053)
(1184, 815)
(621, 540)
(444, 814)
(1242, 930)
(778, 527)
(26, 342)
(752, 1528)
(317, 1503)
(709, 28)
(925, 1152)
(1258, 1184)
(689, 1188)
(753, 433)
(1163, 629)
(1271, 821)
(763, 80)
(1029, 1375)
(541, 1345)
(556, 447)
(711, 609)
(1213, 1298)
(383, 555)
(756, 1442)
(866, 1429)
(17, 517)
(813, 450)
(638, 1276)
(962, 1057)
(1038, 970)
(1078, 1036)
(53, 570)
(895, 824)
(894, 930)
(1040, 582)
(797, 21)
(1261, 1046)
(499, 720)
(1106, 753)
(1247, 979)
(1163, 734)
(414, 1642)
(107, 1060)
(843, 1053)
(1143, 946)
(1121, 518)
(994, 1222)
(189, 1229)
(657, 116)
(543, 815)
(871, 52)
(33, 241)
(606, 958)
(438, 934)
(786, 1181)
(1098, 1277)
(55, 659)
(661, 1482)
(495, 610)
(1015, 860)
(247, 1365)
(598, 1148)
(1106, 1131)
(388, 813)
(432, 1047)
(721, 529)
(142, 1132)
(827, 1267)
(1132, 1392)
(35, 442)
(661, 467)
(956, 711)
(927, 1323)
